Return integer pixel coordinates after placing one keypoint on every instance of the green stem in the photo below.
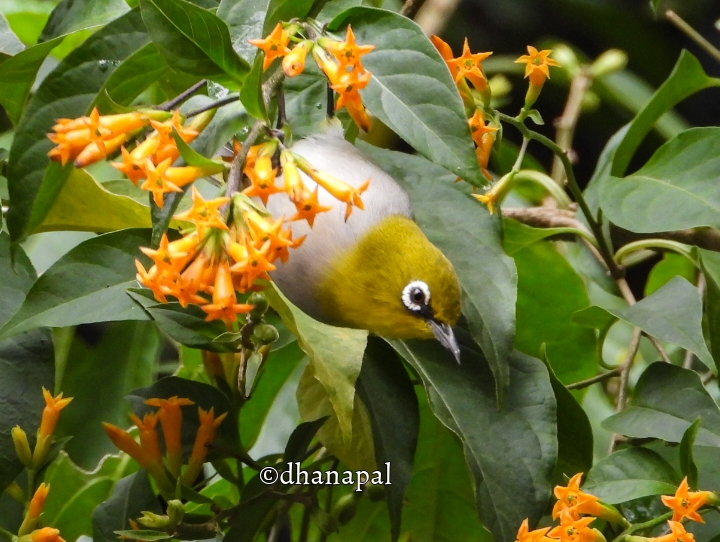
(693, 34)
(548, 183)
(595, 226)
(642, 526)
(654, 244)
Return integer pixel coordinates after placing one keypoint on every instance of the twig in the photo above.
(693, 34)
(567, 122)
(214, 105)
(625, 375)
(170, 104)
(594, 380)
(411, 7)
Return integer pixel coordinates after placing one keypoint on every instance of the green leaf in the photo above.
(671, 265)
(300, 440)
(98, 375)
(194, 40)
(511, 451)
(71, 15)
(687, 78)
(544, 317)
(305, 101)
(710, 262)
(76, 493)
(411, 90)
(228, 121)
(130, 497)
(673, 314)
(16, 277)
(273, 375)
(136, 73)
(335, 354)
(674, 190)
(517, 236)
(668, 399)
(284, 10)
(32, 188)
(251, 93)
(486, 274)
(143, 534)
(10, 44)
(630, 474)
(205, 397)
(194, 158)
(245, 20)
(86, 285)
(26, 366)
(17, 75)
(387, 392)
(97, 210)
(687, 462)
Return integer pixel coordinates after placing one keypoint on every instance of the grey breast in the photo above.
(299, 276)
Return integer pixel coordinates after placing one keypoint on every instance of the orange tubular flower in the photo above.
(686, 503)
(224, 306)
(294, 62)
(575, 530)
(526, 535)
(94, 152)
(469, 65)
(133, 170)
(308, 207)
(478, 128)
(677, 534)
(294, 185)
(274, 46)
(171, 420)
(347, 52)
(50, 416)
(573, 499)
(204, 213)
(34, 510)
(256, 264)
(204, 437)
(262, 177)
(537, 65)
(156, 181)
(326, 63)
(445, 52)
(340, 190)
(46, 534)
(148, 435)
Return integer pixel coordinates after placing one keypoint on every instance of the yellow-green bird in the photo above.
(375, 271)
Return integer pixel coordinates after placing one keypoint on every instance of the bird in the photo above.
(374, 270)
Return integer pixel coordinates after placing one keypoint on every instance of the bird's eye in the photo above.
(416, 296)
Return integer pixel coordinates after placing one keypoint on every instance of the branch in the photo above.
(624, 375)
(170, 104)
(594, 380)
(693, 34)
(566, 123)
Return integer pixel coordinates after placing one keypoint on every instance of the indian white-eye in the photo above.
(375, 271)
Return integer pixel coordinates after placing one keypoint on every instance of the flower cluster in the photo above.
(339, 60)
(147, 452)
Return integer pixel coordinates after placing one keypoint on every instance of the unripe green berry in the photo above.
(266, 334)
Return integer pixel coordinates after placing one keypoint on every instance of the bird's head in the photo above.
(395, 283)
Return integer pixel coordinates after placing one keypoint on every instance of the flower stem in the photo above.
(555, 190)
(693, 34)
(654, 244)
(594, 380)
(642, 526)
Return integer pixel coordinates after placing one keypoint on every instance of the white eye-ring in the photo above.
(416, 296)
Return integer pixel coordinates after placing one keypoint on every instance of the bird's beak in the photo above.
(445, 335)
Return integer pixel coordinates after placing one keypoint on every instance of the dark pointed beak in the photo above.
(445, 335)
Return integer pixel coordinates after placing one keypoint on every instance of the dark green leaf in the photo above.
(194, 158)
(98, 376)
(710, 262)
(630, 474)
(412, 91)
(245, 20)
(668, 399)
(388, 394)
(511, 451)
(86, 285)
(284, 10)
(687, 462)
(71, 15)
(67, 92)
(16, 277)
(135, 74)
(487, 275)
(251, 93)
(228, 121)
(255, 514)
(194, 40)
(76, 493)
(687, 78)
(205, 397)
(674, 190)
(17, 75)
(305, 101)
(673, 314)
(130, 497)
(26, 366)
(267, 385)
(300, 439)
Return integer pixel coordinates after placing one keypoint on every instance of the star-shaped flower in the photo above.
(686, 503)
(274, 46)
(309, 207)
(537, 65)
(469, 65)
(347, 52)
(526, 535)
(204, 213)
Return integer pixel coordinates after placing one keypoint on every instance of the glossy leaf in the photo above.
(687, 78)
(86, 285)
(335, 354)
(136, 73)
(674, 190)
(412, 91)
(251, 93)
(630, 474)
(387, 392)
(511, 451)
(122, 357)
(687, 461)
(668, 399)
(130, 497)
(71, 15)
(245, 20)
(486, 274)
(16, 277)
(306, 101)
(671, 265)
(98, 210)
(17, 75)
(284, 10)
(193, 40)
(32, 188)
(76, 493)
